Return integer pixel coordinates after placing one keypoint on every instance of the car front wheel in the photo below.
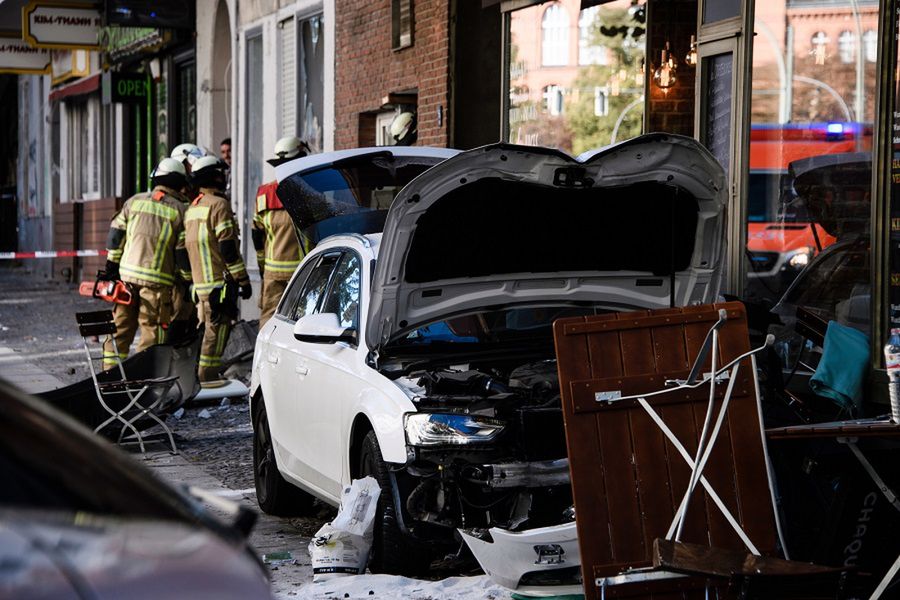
(274, 495)
(393, 551)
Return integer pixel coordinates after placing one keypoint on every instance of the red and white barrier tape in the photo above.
(51, 254)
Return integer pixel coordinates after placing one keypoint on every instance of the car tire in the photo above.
(274, 494)
(393, 551)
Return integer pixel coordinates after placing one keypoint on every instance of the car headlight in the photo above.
(800, 258)
(437, 429)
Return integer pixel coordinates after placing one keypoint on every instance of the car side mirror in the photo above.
(323, 328)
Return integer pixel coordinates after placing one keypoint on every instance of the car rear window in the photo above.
(349, 188)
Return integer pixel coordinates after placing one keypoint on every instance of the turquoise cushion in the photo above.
(840, 373)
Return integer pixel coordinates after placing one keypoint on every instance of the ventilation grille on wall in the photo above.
(287, 40)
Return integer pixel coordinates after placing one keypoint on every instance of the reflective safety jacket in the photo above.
(211, 242)
(144, 234)
(278, 251)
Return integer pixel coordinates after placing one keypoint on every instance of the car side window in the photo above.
(315, 287)
(343, 297)
(289, 300)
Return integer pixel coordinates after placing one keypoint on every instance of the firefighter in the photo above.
(141, 252)
(211, 255)
(278, 251)
(184, 319)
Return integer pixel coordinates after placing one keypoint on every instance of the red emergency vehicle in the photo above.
(781, 239)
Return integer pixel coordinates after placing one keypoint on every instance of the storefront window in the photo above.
(574, 104)
(186, 101)
(808, 207)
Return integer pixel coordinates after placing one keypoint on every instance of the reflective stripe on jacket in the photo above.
(152, 224)
(279, 253)
(208, 223)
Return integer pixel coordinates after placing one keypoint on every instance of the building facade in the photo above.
(265, 70)
(572, 74)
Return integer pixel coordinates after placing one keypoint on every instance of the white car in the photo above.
(424, 356)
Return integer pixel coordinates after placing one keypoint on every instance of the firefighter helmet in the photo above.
(209, 172)
(170, 173)
(188, 153)
(404, 129)
(288, 148)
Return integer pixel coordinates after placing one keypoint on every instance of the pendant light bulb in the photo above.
(691, 57)
(664, 75)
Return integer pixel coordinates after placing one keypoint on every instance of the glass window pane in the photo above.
(312, 81)
(289, 299)
(343, 298)
(717, 10)
(255, 154)
(186, 102)
(576, 76)
(314, 287)
(870, 44)
(808, 223)
(555, 31)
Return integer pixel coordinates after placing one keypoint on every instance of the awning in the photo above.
(79, 88)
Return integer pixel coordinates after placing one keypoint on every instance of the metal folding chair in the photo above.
(717, 375)
(668, 456)
(129, 402)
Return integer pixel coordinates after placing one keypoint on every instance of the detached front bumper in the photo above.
(538, 562)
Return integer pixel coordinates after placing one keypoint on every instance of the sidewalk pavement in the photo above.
(22, 372)
(281, 549)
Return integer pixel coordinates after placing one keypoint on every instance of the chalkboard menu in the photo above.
(894, 248)
(717, 128)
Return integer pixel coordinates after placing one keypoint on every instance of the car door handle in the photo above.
(301, 369)
(272, 357)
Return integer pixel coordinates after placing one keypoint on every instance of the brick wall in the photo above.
(672, 111)
(367, 70)
(66, 219)
(95, 227)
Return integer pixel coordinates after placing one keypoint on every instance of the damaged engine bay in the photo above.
(486, 449)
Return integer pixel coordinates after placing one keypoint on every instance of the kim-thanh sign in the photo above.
(61, 26)
(16, 56)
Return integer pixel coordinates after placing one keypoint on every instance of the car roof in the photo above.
(371, 241)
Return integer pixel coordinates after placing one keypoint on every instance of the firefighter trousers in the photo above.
(215, 336)
(184, 315)
(272, 289)
(150, 311)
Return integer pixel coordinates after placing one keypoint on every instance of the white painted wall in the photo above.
(33, 187)
(250, 17)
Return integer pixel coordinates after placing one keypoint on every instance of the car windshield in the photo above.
(496, 327)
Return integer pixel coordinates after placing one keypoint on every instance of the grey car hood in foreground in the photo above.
(507, 225)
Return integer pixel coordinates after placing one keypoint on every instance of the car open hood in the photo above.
(508, 225)
(348, 191)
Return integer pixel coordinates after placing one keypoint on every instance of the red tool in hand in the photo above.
(110, 290)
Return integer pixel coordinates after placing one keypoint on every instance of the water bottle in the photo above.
(892, 363)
